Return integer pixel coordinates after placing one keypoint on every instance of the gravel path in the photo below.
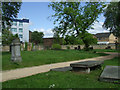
(28, 71)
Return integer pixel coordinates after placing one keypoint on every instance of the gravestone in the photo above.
(15, 51)
(63, 69)
(75, 48)
(86, 66)
(110, 74)
(79, 48)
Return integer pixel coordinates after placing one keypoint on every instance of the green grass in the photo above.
(105, 50)
(34, 58)
(63, 79)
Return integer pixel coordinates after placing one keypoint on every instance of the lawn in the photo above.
(105, 50)
(64, 79)
(34, 58)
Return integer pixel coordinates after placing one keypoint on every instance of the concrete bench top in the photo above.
(86, 64)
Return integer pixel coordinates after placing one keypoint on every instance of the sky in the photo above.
(38, 13)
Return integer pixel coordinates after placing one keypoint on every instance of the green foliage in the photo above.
(75, 19)
(8, 37)
(68, 47)
(26, 45)
(89, 39)
(37, 37)
(9, 11)
(56, 46)
(72, 40)
(32, 45)
(112, 18)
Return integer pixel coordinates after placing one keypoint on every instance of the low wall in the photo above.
(41, 47)
(5, 48)
(29, 47)
(94, 46)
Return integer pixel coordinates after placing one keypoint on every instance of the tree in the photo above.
(89, 39)
(9, 12)
(37, 37)
(75, 18)
(8, 37)
(112, 18)
(72, 40)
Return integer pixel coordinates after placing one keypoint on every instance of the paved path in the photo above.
(24, 72)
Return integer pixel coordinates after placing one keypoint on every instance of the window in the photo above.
(15, 23)
(20, 36)
(21, 24)
(13, 29)
(20, 29)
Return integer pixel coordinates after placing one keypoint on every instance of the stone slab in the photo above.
(110, 74)
(86, 64)
(63, 69)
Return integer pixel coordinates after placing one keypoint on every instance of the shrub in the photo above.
(26, 44)
(56, 46)
(68, 47)
(32, 46)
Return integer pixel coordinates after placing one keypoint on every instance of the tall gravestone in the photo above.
(15, 51)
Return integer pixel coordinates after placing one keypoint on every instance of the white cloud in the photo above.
(98, 28)
(47, 33)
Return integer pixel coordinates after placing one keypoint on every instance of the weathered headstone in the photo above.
(86, 66)
(15, 49)
(75, 48)
(110, 74)
(63, 69)
(79, 48)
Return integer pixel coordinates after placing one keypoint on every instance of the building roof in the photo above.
(21, 20)
(102, 35)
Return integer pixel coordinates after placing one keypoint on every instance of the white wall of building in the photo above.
(25, 32)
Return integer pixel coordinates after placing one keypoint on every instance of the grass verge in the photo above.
(67, 79)
(35, 58)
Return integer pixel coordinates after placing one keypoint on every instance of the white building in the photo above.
(20, 27)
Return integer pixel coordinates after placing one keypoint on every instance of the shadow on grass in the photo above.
(5, 53)
(102, 54)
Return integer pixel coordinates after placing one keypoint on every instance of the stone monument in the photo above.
(15, 51)
(110, 74)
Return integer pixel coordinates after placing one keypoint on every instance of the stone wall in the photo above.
(41, 47)
(5, 48)
(82, 46)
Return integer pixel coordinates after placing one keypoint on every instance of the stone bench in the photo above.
(86, 66)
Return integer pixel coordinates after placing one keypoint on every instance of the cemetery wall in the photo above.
(94, 46)
(41, 47)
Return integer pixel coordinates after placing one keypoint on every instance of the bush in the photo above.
(68, 47)
(56, 46)
(32, 46)
(26, 44)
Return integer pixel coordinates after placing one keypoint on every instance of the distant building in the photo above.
(105, 38)
(47, 42)
(20, 27)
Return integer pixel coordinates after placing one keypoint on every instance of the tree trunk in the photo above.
(86, 45)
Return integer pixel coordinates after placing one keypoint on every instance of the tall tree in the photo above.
(75, 17)
(112, 18)
(37, 37)
(9, 11)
